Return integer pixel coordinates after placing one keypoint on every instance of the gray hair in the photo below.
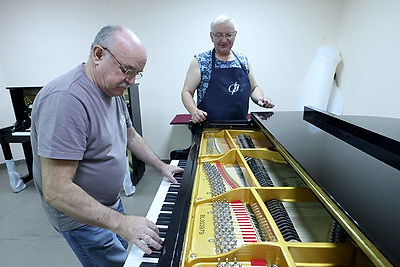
(222, 19)
(105, 37)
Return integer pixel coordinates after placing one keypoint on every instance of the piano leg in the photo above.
(16, 182)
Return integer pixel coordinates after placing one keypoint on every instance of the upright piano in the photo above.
(22, 99)
(287, 189)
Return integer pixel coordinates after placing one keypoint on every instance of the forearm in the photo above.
(256, 94)
(76, 203)
(61, 193)
(188, 102)
(141, 150)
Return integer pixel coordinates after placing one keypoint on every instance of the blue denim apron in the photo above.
(227, 95)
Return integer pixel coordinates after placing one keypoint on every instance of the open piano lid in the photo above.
(354, 159)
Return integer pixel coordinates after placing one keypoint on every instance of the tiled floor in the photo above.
(28, 239)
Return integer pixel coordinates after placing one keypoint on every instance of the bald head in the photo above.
(130, 47)
(117, 57)
(115, 35)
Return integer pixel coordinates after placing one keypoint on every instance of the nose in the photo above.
(224, 39)
(130, 80)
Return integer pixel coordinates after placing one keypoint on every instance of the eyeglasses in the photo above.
(220, 35)
(127, 72)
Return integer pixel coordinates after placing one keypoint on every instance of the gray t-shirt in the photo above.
(73, 119)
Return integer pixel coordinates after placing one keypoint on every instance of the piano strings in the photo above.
(246, 202)
(282, 220)
(242, 222)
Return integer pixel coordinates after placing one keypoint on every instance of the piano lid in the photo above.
(354, 159)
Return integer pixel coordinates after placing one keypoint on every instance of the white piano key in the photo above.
(21, 134)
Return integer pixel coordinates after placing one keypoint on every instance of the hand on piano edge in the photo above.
(169, 170)
(140, 231)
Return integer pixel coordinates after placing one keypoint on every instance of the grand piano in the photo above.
(286, 189)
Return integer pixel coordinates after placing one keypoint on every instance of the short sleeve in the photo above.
(62, 125)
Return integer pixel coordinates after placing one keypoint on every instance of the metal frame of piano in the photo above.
(363, 246)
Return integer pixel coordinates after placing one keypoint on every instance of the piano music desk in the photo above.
(180, 136)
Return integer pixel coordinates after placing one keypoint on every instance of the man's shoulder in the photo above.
(204, 58)
(241, 56)
(65, 79)
(206, 54)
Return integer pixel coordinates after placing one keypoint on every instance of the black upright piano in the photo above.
(22, 99)
(341, 173)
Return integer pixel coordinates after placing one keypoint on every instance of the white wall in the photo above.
(43, 39)
(369, 41)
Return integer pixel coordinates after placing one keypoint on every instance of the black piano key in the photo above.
(182, 163)
(162, 222)
(162, 230)
(167, 207)
(171, 195)
(170, 199)
(164, 215)
(154, 249)
(173, 189)
(154, 254)
(148, 264)
(180, 174)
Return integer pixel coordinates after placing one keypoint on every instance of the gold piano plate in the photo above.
(236, 172)
(315, 250)
(219, 142)
(284, 223)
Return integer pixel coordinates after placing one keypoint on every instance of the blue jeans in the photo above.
(95, 246)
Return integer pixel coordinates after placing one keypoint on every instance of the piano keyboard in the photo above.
(159, 212)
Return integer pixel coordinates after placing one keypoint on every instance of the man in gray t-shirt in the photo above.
(80, 132)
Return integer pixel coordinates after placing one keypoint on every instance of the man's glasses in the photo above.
(127, 72)
(220, 35)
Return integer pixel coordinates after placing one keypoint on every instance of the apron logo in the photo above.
(233, 88)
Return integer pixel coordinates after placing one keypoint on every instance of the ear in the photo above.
(211, 37)
(98, 53)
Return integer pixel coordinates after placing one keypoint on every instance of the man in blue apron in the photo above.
(222, 78)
